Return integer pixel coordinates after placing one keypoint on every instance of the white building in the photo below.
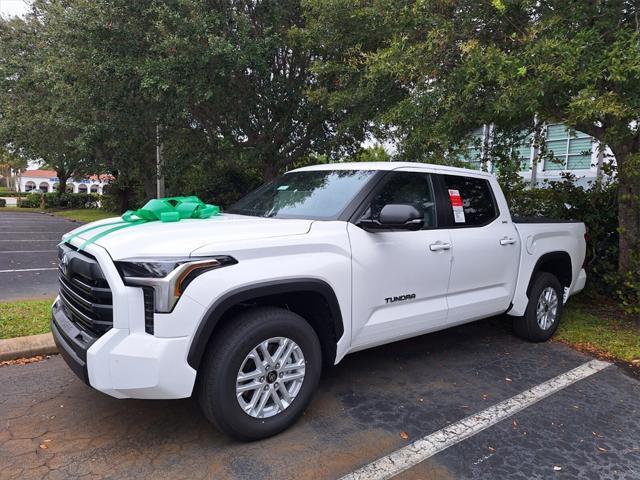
(47, 181)
(573, 151)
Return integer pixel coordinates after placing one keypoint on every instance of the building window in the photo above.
(473, 153)
(523, 152)
(82, 188)
(571, 149)
(44, 187)
(94, 188)
(29, 186)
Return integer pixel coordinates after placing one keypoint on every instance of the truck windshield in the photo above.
(317, 194)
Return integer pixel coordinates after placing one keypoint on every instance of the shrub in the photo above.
(596, 206)
(72, 200)
(3, 202)
(64, 200)
(31, 201)
(110, 203)
(8, 193)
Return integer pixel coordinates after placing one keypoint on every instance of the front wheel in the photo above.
(260, 373)
(542, 317)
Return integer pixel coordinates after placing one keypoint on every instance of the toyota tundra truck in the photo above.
(244, 309)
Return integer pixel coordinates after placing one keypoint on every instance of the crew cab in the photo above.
(244, 309)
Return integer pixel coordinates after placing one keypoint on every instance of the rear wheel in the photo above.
(260, 373)
(542, 317)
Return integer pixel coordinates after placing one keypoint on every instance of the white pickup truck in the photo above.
(244, 308)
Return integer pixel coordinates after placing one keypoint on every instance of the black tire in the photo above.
(224, 357)
(527, 326)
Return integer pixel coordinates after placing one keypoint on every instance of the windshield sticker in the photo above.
(283, 187)
(456, 205)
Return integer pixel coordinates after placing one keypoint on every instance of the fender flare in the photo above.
(244, 294)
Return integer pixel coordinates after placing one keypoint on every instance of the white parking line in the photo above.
(28, 270)
(423, 448)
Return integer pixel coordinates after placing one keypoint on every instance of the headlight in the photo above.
(168, 276)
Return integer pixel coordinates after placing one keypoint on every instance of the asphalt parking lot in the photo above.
(28, 259)
(55, 427)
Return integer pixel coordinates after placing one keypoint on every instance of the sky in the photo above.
(11, 8)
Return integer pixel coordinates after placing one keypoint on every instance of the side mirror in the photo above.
(398, 216)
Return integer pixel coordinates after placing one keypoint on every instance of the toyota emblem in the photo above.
(64, 264)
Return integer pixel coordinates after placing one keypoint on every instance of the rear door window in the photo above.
(471, 201)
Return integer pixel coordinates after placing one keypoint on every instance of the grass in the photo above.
(24, 317)
(600, 330)
(80, 215)
(84, 215)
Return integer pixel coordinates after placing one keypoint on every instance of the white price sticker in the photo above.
(456, 205)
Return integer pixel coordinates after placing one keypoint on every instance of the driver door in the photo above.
(399, 277)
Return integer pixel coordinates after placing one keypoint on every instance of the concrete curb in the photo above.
(30, 346)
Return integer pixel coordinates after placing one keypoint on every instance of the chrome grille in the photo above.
(84, 291)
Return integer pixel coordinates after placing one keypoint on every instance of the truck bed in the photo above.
(543, 220)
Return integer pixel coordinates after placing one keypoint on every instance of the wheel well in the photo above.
(555, 263)
(311, 306)
(316, 303)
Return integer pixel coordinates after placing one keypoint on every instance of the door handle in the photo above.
(436, 247)
(507, 241)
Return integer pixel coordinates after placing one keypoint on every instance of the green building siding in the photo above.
(571, 149)
(523, 151)
(473, 154)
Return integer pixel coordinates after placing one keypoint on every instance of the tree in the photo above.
(376, 153)
(36, 120)
(444, 68)
(10, 163)
(227, 81)
(240, 72)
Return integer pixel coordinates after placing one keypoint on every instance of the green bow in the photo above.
(171, 209)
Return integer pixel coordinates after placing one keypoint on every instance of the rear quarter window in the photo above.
(476, 198)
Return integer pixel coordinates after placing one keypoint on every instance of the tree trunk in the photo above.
(150, 180)
(149, 184)
(123, 197)
(269, 170)
(62, 185)
(628, 209)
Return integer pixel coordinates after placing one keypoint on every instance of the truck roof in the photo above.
(391, 166)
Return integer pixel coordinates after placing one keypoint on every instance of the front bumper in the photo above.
(126, 361)
(72, 342)
(124, 364)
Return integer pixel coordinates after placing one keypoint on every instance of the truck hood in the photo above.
(173, 239)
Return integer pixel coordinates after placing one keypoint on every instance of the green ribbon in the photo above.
(170, 209)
